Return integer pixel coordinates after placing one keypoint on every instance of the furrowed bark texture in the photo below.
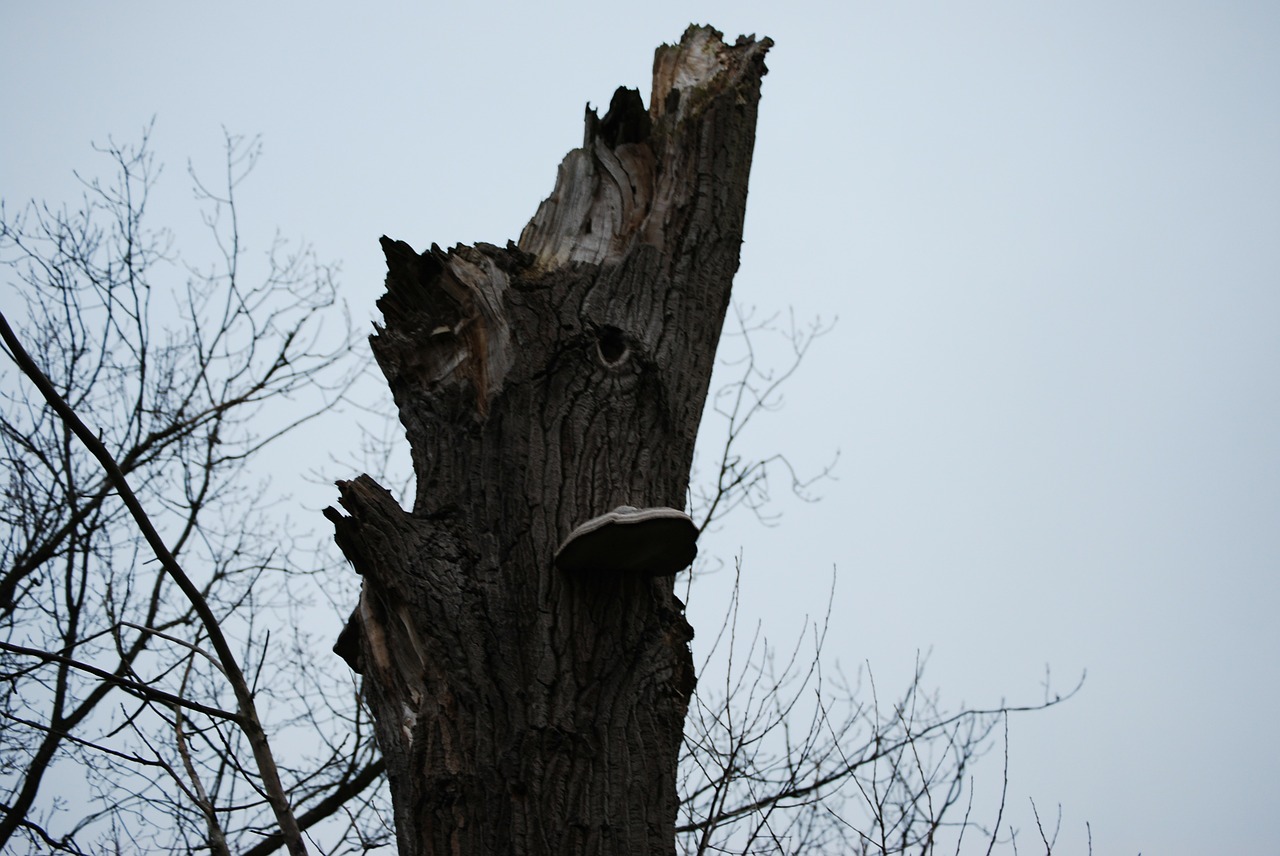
(521, 709)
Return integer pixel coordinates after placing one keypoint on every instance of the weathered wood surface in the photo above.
(522, 709)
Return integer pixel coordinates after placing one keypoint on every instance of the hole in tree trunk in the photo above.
(612, 346)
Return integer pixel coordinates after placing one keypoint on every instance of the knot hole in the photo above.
(612, 345)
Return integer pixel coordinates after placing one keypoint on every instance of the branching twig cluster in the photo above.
(741, 480)
(782, 756)
(140, 567)
(791, 759)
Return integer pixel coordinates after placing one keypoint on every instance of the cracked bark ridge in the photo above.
(522, 709)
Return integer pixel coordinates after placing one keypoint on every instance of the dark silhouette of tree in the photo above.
(524, 655)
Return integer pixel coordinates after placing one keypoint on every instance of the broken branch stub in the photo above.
(522, 709)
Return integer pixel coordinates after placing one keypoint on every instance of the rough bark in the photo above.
(522, 709)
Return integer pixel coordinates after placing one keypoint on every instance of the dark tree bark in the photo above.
(522, 708)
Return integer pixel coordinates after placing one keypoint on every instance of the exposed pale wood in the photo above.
(522, 709)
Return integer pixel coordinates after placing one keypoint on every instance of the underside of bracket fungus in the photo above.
(521, 707)
(657, 541)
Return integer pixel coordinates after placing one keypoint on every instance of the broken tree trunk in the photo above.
(522, 707)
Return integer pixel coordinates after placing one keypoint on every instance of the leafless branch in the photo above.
(744, 481)
(757, 774)
(185, 380)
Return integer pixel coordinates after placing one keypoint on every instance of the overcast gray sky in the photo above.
(1050, 232)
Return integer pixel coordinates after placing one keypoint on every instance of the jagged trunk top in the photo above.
(663, 188)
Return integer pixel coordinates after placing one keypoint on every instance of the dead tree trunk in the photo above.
(522, 708)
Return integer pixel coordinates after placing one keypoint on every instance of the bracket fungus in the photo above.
(653, 541)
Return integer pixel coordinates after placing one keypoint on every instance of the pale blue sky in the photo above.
(1051, 234)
